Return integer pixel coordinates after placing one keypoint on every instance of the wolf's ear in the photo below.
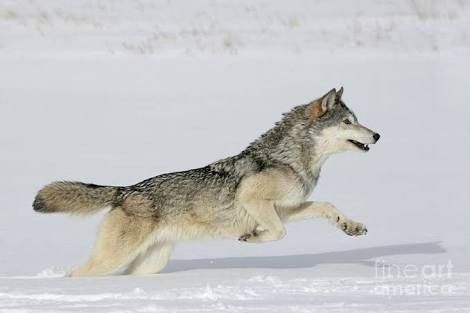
(328, 101)
(339, 93)
(320, 106)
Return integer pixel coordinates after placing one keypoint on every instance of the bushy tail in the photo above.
(74, 198)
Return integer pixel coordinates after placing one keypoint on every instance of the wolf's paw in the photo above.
(351, 228)
(246, 237)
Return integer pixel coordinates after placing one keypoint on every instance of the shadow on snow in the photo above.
(357, 256)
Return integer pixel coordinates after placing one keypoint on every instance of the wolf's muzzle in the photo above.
(376, 137)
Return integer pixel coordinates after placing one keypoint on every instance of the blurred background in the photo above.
(115, 91)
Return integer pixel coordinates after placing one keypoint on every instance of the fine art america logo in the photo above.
(413, 280)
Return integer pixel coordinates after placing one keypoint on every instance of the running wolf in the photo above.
(249, 196)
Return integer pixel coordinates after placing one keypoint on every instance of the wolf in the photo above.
(249, 196)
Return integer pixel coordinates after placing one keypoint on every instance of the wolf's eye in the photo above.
(347, 121)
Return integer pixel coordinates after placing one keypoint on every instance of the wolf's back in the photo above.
(74, 198)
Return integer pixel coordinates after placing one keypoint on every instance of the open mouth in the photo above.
(361, 146)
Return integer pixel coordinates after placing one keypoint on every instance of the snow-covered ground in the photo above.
(148, 27)
(215, 290)
(113, 92)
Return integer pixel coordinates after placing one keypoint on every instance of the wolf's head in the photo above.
(334, 127)
(311, 132)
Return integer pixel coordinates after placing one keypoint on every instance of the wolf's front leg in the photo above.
(270, 226)
(326, 210)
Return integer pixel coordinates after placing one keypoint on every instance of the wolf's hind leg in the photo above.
(153, 260)
(308, 210)
(120, 239)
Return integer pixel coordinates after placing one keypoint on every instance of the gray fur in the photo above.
(288, 145)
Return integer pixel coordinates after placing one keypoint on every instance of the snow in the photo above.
(113, 92)
(216, 290)
(149, 27)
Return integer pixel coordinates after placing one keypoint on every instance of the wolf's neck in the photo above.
(302, 157)
(292, 146)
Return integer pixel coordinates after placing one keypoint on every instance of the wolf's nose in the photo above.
(376, 137)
